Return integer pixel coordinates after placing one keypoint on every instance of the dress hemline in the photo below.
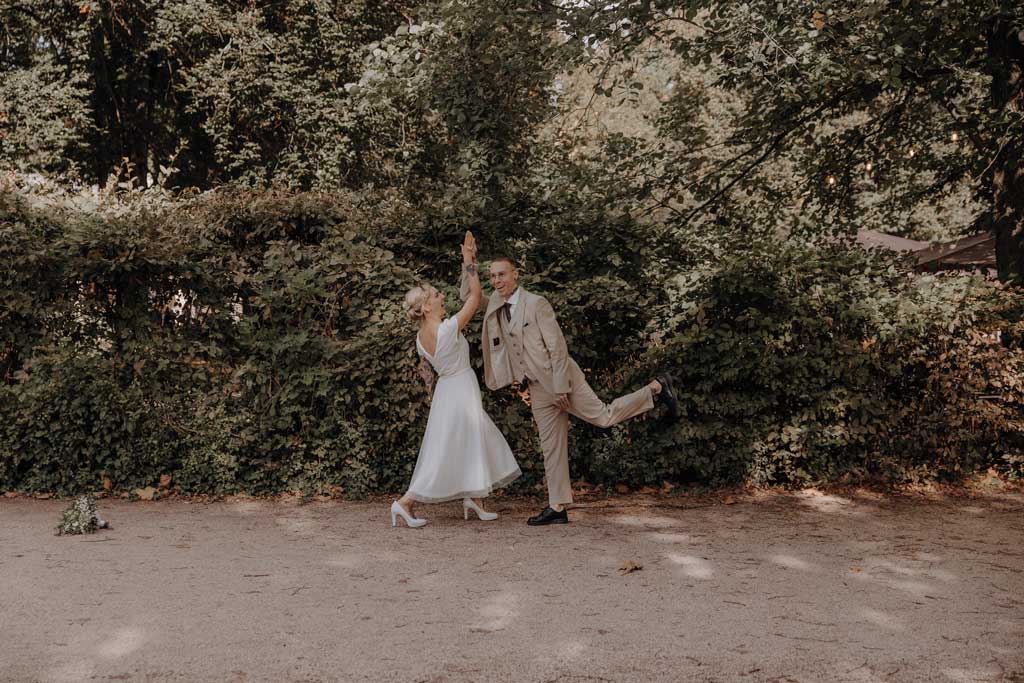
(480, 493)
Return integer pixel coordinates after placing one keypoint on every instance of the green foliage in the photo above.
(844, 113)
(250, 338)
(74, 417)
(254, 342)
(241, 342)
(801, 363)
(188, 92)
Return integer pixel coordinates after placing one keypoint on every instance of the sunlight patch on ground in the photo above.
(991, 673)
(570, 650)
(860, 674)
(823, 502)
(694, 567)
(887, 567)
(918, 588)
(245, 505)
(886, 572)
(790, 562)
(882, 619)
(941, 575)
(344, 561)
(643, 520)
(664, 537)
(497, 612)
(123, 642)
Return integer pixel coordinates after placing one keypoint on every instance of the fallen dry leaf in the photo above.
(855, 569)
(648, 490)
(165, 481)
(621, 488)
(629, 566)
(107, 484)
(729, 500)
(147, 493)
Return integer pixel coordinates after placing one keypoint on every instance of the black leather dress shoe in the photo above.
(668, 394)
(549, 516)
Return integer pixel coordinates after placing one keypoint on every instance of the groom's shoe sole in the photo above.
(668, 394)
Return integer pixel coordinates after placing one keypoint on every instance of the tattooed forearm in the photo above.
(470, 269)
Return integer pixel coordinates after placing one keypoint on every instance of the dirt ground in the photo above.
(805, 587)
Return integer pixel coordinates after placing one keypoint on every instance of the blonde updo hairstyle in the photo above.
(414, 300)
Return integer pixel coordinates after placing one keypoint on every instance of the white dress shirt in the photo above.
(512, 301)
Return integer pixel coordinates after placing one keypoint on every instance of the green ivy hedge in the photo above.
(253, 341)
(801, 364)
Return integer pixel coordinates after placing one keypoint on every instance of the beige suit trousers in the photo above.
(553, 425)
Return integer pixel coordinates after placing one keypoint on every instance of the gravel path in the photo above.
(774, 587)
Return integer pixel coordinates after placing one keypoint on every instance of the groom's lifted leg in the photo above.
(553, 428)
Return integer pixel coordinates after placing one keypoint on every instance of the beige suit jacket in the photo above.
(531, 343)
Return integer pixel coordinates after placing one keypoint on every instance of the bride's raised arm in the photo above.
(464, 281)
(470, 279)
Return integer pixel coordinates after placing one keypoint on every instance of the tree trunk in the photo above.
(1006, 47)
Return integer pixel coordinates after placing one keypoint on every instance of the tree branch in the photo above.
(772, 146)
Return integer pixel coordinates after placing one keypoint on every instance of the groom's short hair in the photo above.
(506, 259)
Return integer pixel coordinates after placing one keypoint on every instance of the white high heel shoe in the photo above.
(411, 522)
(468, 504)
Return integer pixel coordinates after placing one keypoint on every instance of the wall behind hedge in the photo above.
(253, 341)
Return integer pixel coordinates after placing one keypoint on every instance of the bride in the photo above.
(463, 455)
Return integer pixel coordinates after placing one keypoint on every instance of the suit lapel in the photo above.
(493, 304)
(520, 313)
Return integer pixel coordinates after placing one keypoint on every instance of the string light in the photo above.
(831, 180)
(868, 166)
(911, 153)
(954, 137)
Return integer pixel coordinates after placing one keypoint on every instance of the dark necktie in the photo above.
(506, 311)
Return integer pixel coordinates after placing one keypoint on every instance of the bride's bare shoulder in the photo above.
(427, 338)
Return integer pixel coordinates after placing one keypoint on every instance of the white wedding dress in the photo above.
(463, 454)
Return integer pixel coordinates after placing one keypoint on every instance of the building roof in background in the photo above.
(975, 250)
(873, 238)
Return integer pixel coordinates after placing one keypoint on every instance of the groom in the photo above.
(522, 343)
